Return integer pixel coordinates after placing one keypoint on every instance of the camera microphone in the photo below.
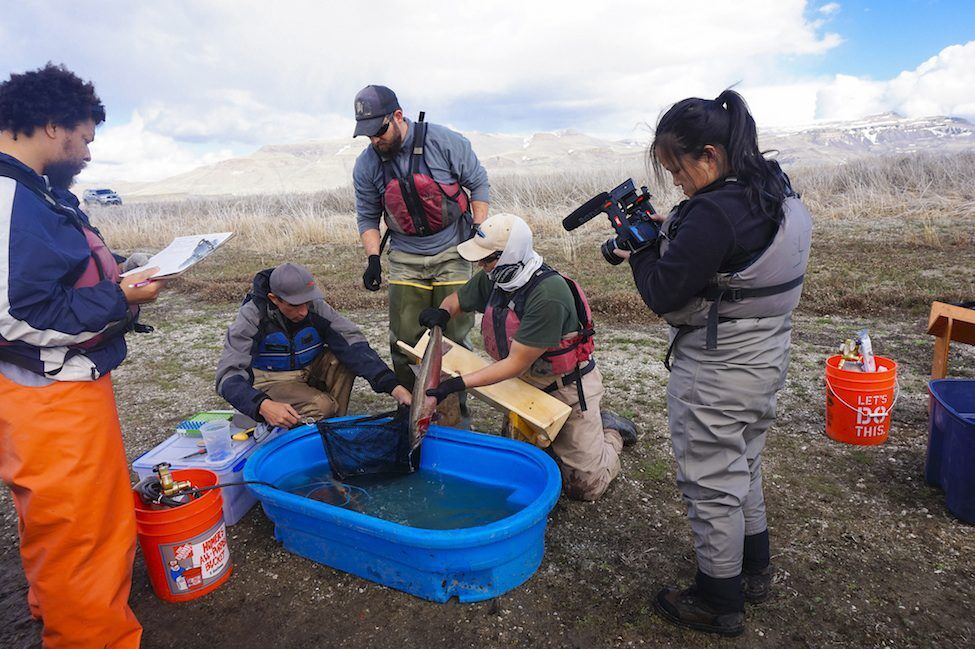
(591, 208)
(629, 212)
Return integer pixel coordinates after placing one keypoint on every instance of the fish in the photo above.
(423, 409)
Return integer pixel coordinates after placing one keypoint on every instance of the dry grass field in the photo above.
(865, 553)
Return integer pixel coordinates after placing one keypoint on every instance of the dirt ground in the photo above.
(865, 552)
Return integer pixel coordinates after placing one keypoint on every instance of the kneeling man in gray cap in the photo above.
(289, 355)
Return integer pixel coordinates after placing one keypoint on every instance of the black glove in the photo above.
(447, 388)
(431, 317)
(373, 275)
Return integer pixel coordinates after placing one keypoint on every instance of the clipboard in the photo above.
(183, 253)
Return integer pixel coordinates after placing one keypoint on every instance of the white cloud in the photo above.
(942, 85)
(786, 104)
(189, 81)
(237, 116)
(134, 153)
(830, 8)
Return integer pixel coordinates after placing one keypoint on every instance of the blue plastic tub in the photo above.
(473, 563)
(951, 444)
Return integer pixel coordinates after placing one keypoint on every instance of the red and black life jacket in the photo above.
(101, 266)
(417, 205)
(570, 359)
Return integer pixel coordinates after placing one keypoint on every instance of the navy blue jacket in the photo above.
(42, 314)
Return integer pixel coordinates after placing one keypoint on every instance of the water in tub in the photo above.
(425, 499)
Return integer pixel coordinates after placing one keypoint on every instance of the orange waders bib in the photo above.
(61, 455)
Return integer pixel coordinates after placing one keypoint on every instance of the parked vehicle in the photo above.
(101, 197)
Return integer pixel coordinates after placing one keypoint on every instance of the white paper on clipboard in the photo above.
(184, 253)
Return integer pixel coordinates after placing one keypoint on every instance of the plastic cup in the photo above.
(216, 437)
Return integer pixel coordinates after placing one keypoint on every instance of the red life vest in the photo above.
(101, 266)
(417, 205)
(503, 315)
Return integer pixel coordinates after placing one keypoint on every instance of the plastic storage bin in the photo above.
(473, 563)
(236, 500)
(951, 444)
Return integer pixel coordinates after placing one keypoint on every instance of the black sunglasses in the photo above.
(492, 257)
(382, 129)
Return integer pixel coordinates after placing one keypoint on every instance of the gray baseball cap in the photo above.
(372, 104)
(294, 284)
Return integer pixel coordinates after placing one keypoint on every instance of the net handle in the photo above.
(392, 414)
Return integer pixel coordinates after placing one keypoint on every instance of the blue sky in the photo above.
(190, 82)
(884, 38)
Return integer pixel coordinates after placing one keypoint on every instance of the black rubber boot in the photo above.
(756, 568)
(711, 605)
(757, 586)
(625, 427)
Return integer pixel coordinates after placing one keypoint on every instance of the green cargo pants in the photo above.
(416, 282)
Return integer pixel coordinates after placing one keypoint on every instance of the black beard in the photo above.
(394, 147)
(61, 174)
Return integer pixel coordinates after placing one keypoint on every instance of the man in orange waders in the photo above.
(63, 316)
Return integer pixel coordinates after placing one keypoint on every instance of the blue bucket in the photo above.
(472, 563)
(951, 444)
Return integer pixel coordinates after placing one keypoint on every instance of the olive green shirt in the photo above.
(550, 311)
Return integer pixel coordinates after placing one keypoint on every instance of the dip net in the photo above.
(371, 445)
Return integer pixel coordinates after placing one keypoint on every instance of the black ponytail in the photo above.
(724, 123)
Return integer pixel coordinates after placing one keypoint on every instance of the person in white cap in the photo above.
(537, 326)
(289, 355)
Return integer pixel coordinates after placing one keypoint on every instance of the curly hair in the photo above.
(51, 95)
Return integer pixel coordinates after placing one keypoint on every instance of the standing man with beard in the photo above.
(63, 316)
(417, 177)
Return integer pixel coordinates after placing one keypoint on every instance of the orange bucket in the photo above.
(185, 547)
(858, 404)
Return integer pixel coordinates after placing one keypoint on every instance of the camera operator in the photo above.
(726, 274)
(537, 326)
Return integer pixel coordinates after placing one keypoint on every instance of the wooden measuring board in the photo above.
(543, 413)
(949, 322)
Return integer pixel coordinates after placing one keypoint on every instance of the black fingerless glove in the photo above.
(373, 275)
(447, 388)
(431, 317)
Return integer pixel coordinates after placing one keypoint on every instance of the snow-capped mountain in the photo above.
(887, 134)
(327, 164)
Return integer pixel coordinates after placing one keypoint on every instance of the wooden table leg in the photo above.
(939, 363)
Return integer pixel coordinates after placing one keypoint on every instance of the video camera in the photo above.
(629, 214)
